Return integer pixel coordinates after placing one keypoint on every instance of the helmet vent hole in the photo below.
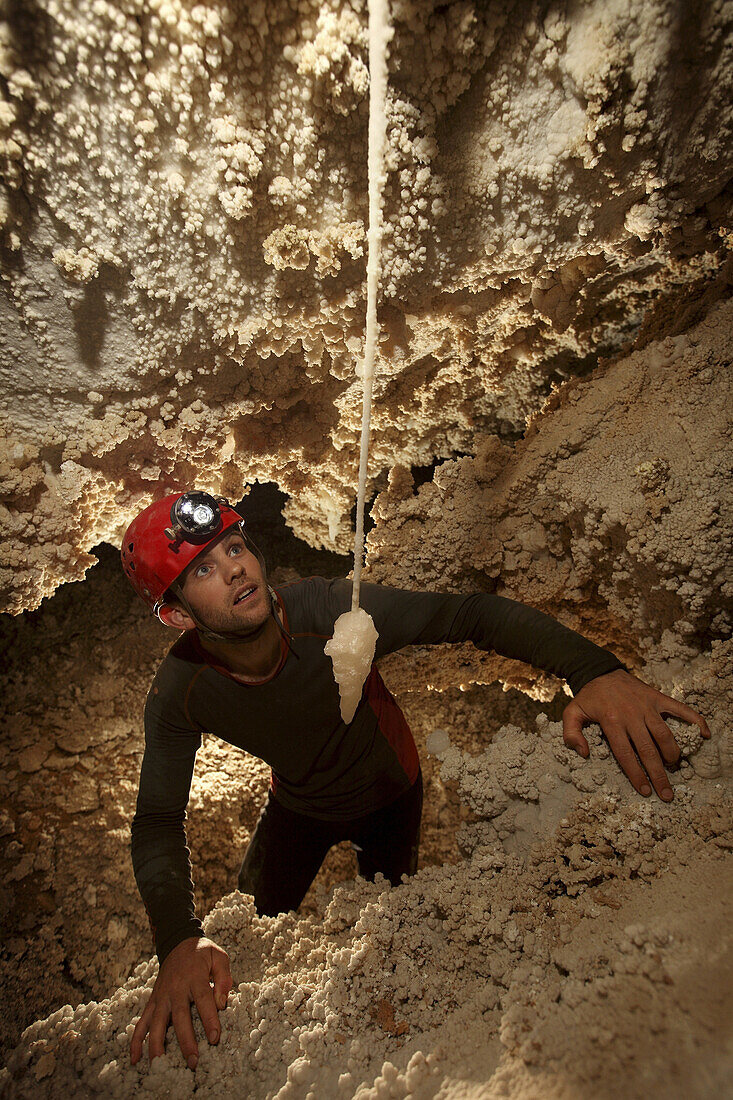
(130, 546)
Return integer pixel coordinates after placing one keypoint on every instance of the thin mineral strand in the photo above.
(379, 36)
(354, 640)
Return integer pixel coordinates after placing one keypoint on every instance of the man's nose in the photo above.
(234, 568)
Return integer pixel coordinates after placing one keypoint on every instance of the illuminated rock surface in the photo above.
(184, 227)
(184, 213)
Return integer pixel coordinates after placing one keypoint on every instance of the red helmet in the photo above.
(168, 535)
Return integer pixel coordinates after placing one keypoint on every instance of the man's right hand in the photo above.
(183, 979)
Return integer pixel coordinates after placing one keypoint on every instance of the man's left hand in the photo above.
(630, 714)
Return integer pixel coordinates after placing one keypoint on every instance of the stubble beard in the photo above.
(230, 622)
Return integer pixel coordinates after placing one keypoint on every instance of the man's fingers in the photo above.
(651, 761)
(222, 975)
(664, 738)
(627, 759)
(573, 720)
(681, 710)
(206, 1007)
(158, 1028)
(138, 1035)
(183, 980)
(183, 1025)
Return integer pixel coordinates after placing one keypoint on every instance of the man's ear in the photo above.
(173, 615)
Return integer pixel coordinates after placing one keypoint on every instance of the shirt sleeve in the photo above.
(160, 856)
(494, 623)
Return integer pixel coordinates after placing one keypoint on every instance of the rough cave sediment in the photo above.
(183, 230)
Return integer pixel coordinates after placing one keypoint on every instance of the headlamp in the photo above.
(195, 517)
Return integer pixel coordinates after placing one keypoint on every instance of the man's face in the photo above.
(226, 588)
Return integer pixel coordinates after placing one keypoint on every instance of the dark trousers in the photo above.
(287, 849)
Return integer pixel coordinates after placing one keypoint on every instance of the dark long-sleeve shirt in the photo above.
(321, 767)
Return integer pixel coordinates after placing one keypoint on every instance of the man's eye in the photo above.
(201, 571)
(235, 548)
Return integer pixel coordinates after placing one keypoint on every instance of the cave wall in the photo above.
(614, 512)
(74, 926)
(183, 265)
(563, 936)
(183, 210)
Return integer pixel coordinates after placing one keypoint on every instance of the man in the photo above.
(249, 667)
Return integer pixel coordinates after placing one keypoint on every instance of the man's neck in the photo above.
(252, 659)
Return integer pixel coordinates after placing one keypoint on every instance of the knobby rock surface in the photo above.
(182, 212)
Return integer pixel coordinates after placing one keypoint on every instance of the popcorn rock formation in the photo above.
(184, 214)
(499, 965)
(613, 513)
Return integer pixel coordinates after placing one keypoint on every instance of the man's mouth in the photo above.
(245, 593)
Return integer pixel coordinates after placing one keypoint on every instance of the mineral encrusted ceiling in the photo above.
(183, 227)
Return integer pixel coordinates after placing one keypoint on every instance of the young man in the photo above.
(250, 668)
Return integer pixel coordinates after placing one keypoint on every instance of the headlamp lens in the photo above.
(197, 516)
(202, 515)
